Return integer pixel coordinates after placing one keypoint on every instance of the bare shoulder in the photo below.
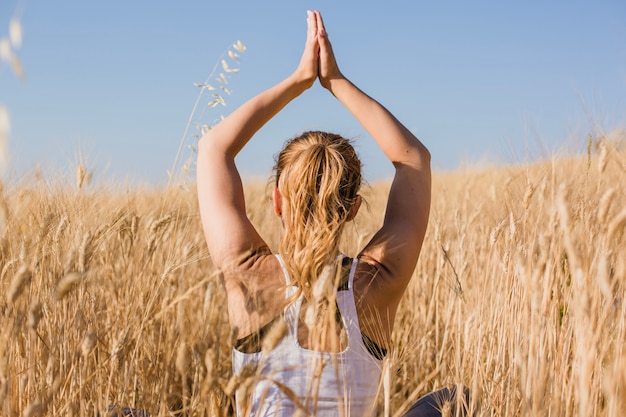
(374, 284)
(254, 291)
(376, 301)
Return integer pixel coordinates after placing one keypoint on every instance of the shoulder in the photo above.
(375, 284)
(255, 270)
(376, 297)
(254, 291)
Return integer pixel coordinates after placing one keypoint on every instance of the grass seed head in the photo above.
(67, 284)
(616, 228)
(530, 190)
(70, 259)
(183, 360)
(119, 346)
(603, 157)
(4, 388)
(88, 345)
(605, 204)
(133, 226)
(6, 267)
(4, 222)
(232, 384)
(210, 361)
(160, 223)
(19, 282)
(60, 229)
(446, 409)
(44, 227)
(81, 176)
(24, 382)
(85, 252)
(33, 409)
(34, 315)
(274, 336)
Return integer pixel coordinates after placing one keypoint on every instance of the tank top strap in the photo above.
(284, 268)
(347, 306)
(291, 311)
(355, 261)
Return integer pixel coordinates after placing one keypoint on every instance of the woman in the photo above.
(312, 325)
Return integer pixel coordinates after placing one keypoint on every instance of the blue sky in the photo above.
(495, 81)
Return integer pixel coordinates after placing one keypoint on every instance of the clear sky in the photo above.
(476, 81)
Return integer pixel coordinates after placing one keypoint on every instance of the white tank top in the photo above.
(348, 382)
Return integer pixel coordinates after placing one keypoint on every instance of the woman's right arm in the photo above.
(394, 249)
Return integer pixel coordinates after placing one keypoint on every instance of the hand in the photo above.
(309, 63)
(328, 69)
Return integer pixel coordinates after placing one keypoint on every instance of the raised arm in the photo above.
(230, 236)
(394, 249)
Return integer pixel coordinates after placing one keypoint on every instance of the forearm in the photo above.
(394, 139)
(232, 133)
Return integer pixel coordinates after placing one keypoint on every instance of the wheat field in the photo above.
(109, 297)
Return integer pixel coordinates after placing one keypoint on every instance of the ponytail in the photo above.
(318, 175)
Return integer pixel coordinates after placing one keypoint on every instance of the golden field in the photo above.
(108, 296)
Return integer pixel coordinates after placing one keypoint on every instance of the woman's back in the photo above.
(292, 376)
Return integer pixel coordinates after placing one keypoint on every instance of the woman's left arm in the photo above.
(230, 236)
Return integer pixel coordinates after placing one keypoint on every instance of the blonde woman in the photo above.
(329, 317)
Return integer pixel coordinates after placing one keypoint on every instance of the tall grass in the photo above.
(109, 297)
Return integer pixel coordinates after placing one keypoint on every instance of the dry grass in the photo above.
(109, 297)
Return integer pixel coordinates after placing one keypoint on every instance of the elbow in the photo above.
(422, 157)
(425, 156)
(417, 156)
(422, 151)
(214, 141)
(209, 144)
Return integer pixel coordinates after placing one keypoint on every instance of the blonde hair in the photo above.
(318, 175)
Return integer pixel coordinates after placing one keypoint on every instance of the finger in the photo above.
(312, 41)
(311, 25)
(321, 30)
(325, 49)
(322, 35)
